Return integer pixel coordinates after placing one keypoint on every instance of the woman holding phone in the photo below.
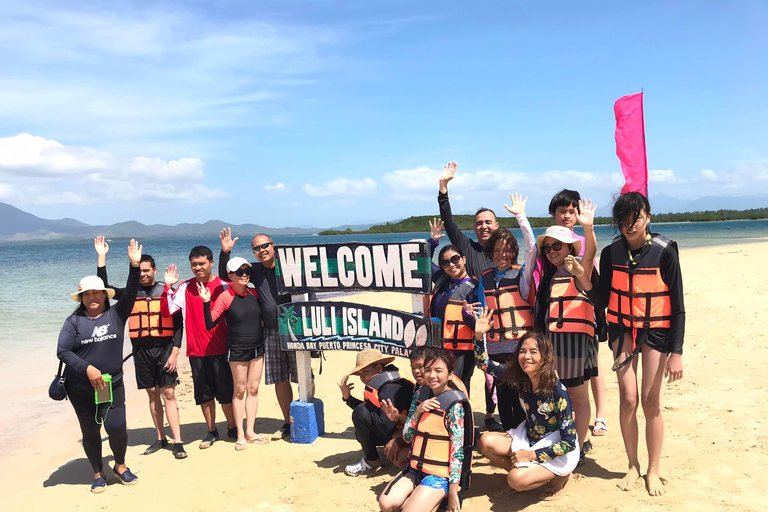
(91, 347)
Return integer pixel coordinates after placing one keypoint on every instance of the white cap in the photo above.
(92, 283)
(236, 263)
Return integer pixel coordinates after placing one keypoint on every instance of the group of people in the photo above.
(232, 338)
(533, 328)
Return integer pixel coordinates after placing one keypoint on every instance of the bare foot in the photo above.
(655, 485)
(555, 489)
(630, 479)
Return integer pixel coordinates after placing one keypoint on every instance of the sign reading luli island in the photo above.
(394, 267)
(347, 326)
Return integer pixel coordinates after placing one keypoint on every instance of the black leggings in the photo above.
(82, 398)
(372, 428)
(465, 366)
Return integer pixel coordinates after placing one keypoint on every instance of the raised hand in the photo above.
(346, 389)
(449, 171)
(573, 266)
(101, 246)
(171, 275)
(586, 215)
(134, 252)
(203, 292)
(518, 204)
(436, 229)
(390, 410)
(471, 309)
(227, 242)
(484, 321)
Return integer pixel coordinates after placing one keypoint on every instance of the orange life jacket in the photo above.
(431, 446)
(570, 310)
(146, 319)
(374, 386)
(453, 329)
(512, 314)
(639, 297)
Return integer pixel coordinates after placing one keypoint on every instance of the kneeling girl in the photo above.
(440, 430)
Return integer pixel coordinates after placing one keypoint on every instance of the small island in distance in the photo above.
(466, 222)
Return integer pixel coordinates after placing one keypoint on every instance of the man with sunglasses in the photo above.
(279, 365)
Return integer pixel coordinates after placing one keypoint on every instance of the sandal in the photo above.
(259, 439)
(600, 428)
(240, 445)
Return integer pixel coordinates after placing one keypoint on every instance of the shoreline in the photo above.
(707, 414)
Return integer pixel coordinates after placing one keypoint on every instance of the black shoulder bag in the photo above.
(57, 391)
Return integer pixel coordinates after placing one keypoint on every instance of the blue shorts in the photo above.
(432, 481)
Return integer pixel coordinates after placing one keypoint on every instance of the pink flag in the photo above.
(630, 143)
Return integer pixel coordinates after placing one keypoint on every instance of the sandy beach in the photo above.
(715, 449)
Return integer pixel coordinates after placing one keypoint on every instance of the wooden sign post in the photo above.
(306, 325)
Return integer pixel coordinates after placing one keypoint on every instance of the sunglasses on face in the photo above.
(453, 260)
(554, 247)
(242, 271)
(257, 248)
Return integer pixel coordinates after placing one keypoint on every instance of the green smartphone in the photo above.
(103, 396)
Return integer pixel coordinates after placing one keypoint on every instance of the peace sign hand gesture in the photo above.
(204, 292)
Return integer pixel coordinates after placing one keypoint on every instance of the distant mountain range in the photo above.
(18, 225)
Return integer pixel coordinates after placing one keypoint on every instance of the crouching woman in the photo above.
(440, 431)
(542, 450)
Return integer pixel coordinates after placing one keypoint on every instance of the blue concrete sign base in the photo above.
(307, 421)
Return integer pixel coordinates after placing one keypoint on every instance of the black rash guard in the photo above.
(242, 314)
(477, 261)
(85, 341)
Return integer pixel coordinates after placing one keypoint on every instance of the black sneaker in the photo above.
(493, 426)
(232, 433)
(282, 433)
(156, 446)
(178, 451)
(208, 440)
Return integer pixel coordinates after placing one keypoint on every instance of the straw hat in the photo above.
(562, 234)
(91, 283)
(368, 357)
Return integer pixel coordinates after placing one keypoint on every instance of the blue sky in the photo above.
(324, 112)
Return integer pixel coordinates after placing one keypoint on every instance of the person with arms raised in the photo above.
(91, 347)
(156, 341)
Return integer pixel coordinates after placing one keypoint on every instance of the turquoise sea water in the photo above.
(37, 278)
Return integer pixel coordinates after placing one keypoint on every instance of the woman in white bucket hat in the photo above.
(565, 311)
(91, 346)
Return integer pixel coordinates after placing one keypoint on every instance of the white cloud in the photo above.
(278, 187)
(708, 174)
(342, 187)
(26, 154)
(663, 176)
(35, 170)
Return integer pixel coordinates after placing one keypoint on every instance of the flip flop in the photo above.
(600, 428)
(240, 445)
(259, 439)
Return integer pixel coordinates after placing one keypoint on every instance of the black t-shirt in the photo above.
(477, 261)
(242, 314)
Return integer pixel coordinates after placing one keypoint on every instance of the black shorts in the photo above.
(149, 363)
(243, 355)
(656, 339)
(212, 378)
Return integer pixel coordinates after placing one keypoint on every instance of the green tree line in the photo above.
(466, 222)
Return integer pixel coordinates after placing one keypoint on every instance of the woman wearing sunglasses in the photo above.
(452, 303)
(239, 306)
(565, 311)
